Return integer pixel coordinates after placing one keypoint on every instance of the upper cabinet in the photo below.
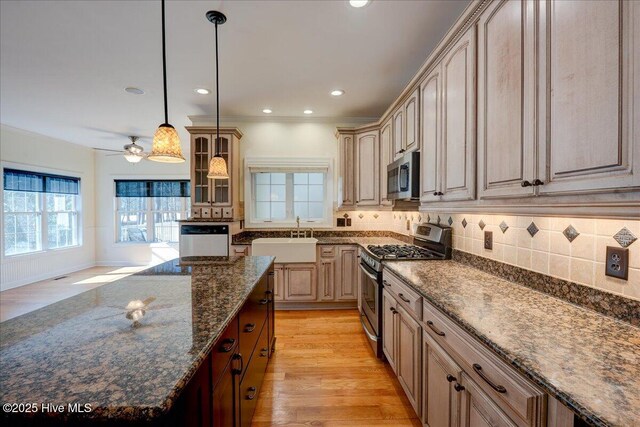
(398, 133)
(411, 120)
(589, 82)
(431, 151)
(219, 198)
(367, 169)
(386, 156)
(506, 99)
(346, 186)
(458, 120)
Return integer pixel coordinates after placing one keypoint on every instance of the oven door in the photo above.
(369, 297)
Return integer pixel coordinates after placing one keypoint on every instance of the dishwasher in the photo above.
(204, 240)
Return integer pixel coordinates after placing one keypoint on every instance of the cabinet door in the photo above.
(326, 279)
(478, 410)
(347, 148)
(224, 402)
(348, 269)
(431, 153)
(398, 133)
(221, 190)
(278, 285)
(458, 110)
(195, 410)
(389, 313)
(411, 120)
(200, 155)
(300, 282)
(386, 156)
(367, 169)
(506, 101)
(408, 358)
(441, 402)
(587, 94)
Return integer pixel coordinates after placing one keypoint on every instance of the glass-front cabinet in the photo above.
(219, 198)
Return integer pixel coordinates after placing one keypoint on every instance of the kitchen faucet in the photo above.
(300, 233)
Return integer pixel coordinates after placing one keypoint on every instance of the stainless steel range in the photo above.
(431, 242)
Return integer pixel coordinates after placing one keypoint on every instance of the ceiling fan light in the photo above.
(132, 157)
(166, 145)
(218, 168)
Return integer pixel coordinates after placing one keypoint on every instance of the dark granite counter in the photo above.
(329, 237)
(588, 361)
(96, 348)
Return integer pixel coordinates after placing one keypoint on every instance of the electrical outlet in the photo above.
(341, 222)
(617, 262)
(488, 240)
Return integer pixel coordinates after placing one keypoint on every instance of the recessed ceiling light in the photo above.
(337, 92)
(308, 111)
(134, 90)
(203, 91)
(358, 3)
(267, 111)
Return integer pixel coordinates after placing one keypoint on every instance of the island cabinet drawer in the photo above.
(252, 380)
(410, 299)
(224, 349)
(252, 316)
(516, 396)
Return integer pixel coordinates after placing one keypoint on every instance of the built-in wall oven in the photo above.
(403, 177)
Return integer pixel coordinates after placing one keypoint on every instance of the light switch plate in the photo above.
(488, 240)
(617, 262)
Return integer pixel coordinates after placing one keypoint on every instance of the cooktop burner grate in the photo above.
(401, 252)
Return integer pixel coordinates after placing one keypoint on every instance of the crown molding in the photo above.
(203, 120)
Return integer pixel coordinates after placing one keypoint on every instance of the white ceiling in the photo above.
(64, 64)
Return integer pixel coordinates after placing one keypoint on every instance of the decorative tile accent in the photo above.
(438, 219)
(625, 237)
(361, 216)
(503, 227)
(346, 215)
(464, 222)
(376, 216)
(419, 218)
(482, 225)
(450, 221)
(570, 233)
(428, 218)
(533, 229)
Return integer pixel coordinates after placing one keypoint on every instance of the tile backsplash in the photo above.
(568, 248)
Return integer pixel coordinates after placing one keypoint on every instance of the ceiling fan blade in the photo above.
(106, 149)
(110, 155)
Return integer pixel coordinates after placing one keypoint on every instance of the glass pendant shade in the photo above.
(166, 145)
(218, 168)
(132, 157)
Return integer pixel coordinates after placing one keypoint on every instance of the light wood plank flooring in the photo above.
(324, 374)
(23, 299)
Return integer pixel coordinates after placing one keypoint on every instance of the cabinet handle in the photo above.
(263, 301)
(435, 193)
(434, 329)
(385, 283)
(268, 292)
(403, 298)
(252, 393)
(249, 327)
(238, 356)
(537, 182)
(227, 346)
(451, 378)
(525, 184)
(498, 388)
(392, 310)
(440, 193)
(458, 387)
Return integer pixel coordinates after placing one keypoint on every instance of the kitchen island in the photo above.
(142, 349)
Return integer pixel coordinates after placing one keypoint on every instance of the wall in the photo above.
(28, 150)
(108, 169)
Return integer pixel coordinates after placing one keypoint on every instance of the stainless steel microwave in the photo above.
(403, 177)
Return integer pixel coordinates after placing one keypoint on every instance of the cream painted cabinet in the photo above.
(326, 279)
(506, 99)
(589, 96)
(300, 282)
(348, 274)
(408, 357)
(389, 312)
(367, 169)
(458, 115)
(386, 157)
(346, 184)
(478, 409)
(431, 151)
(411, 121)
(278, 286)
(398, 133)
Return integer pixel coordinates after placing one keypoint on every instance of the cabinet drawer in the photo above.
(520, 399)
(405, 296)
(240, 250)
(327, 251)
(252, 380)
(224, 349)
(252, 318)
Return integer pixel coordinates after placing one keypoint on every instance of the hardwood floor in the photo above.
(324, 374)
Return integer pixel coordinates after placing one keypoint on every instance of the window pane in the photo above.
(22, 222)
(166, 227)
(316, 178)
(61, 229)
(316, 210)
(316, 193)
(279, 178)
(300, 193)
(133, 227)
(263, 193)
(278, 210)
(263, 178)
(300, 178)
(278, 193)
(301, 209)
(263, 211)
(132, 203)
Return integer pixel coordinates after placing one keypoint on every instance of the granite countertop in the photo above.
(85, 350)
(362, 241)
(588, 361)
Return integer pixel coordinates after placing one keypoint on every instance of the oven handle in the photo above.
(371, 276)
(371, 336)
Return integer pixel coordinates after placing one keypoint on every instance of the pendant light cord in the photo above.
(164, 68)
(217, 97)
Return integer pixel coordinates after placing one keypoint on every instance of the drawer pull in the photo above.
(385, 283)
(498, 388)
(434, 329)
(227, 345)
(458, 387)
(249, 327)
(252, 393)
(451, 378)
(263, 301)
(238, 356)
(268, 292)
(403, 298)
(393, 310)
(264, 352)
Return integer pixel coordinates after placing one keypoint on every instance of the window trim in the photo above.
(290, 165)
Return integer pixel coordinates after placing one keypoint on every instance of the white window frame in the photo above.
(292, 165)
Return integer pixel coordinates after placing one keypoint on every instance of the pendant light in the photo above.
(166, 142)
(217, 165)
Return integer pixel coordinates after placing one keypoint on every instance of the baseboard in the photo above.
(119, 264)
(315, 305)
(45, 276)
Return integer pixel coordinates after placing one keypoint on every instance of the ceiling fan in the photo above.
(133, 152)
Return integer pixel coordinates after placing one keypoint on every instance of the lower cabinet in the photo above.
(300, 282)
(326, 279)
(478, 409)
(252, 380)
(348, 273)
(224, 398)
(389, 328)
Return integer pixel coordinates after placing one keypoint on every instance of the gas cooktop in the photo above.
(401, 252)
